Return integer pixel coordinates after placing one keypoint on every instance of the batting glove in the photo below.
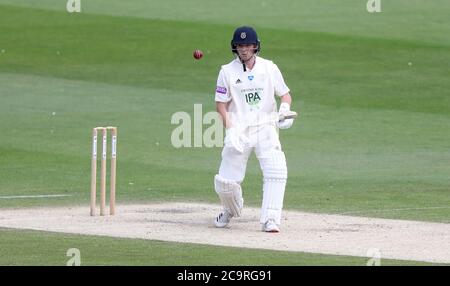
(286, 123)
(235, 138)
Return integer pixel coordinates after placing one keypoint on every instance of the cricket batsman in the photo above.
(245, 97)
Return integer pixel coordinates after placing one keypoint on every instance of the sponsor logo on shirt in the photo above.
(252, 98)
(221, 89)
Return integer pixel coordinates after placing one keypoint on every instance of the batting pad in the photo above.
(230, 194)
(273, 195)
(273, 165)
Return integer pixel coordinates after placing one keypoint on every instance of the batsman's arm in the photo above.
(286, 98)
(222, 108)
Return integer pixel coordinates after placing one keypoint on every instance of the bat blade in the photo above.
(288, 115)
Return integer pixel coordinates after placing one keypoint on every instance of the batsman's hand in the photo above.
(286, 123)
(235, 138)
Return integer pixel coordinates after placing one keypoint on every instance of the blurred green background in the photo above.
(372, 89)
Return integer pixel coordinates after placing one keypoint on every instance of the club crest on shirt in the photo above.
(250, 77)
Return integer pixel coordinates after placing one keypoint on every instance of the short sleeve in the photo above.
(222, 93)
(278, 82)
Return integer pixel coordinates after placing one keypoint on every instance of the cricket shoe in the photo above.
(270, 226)
(223, 219)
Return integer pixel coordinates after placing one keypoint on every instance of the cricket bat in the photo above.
(287, 115)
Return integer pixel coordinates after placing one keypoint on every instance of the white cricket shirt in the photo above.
(251, 93)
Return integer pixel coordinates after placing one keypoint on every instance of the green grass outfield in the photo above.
(46, 248)
(373, 138)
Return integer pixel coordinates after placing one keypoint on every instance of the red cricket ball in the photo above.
(198, 54)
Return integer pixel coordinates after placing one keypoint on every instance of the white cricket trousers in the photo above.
(264, 140)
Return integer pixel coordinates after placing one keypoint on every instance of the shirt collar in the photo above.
(237, 60)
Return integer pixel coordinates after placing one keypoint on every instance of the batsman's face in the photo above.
(246, 51)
